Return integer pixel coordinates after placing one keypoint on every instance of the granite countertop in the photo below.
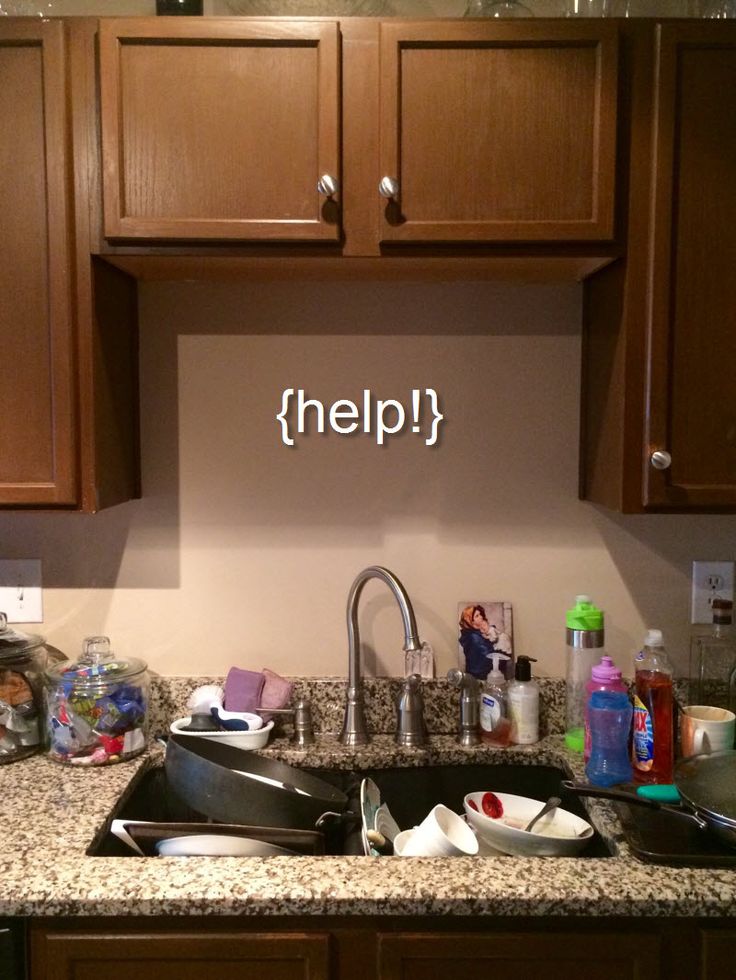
(50, 813)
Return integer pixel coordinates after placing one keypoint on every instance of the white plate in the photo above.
(222, 845)
(241, 740)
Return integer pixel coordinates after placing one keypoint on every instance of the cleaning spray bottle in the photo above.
(495, 725)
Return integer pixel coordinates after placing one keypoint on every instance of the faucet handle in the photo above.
(468, 732)
(410, 727)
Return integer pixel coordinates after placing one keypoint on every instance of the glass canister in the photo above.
(23, 660)
(97, 707)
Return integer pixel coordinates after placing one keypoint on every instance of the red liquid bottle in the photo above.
(652, 753)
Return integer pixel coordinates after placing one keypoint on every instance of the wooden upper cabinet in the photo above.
(498, 132)
(691, 392)
(219, 129)
(37, 407)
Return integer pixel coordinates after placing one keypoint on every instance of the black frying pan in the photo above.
(707, 787)
(236, 786)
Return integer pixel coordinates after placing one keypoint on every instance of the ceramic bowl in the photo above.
(241, 740)
(558, 834)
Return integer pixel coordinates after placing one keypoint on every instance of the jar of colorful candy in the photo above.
(97, 707)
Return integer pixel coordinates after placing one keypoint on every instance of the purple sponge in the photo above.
(243, 689)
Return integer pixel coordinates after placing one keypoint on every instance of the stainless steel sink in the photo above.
(409, 792)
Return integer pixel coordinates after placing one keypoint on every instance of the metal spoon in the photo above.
(552, 803)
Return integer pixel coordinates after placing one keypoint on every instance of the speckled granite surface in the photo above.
(327, 697)
(49, 814)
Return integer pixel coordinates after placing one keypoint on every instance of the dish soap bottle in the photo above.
(495, 726)
(523, 700)
(653, 742)
(584, 647)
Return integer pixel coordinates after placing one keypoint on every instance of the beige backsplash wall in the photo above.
(242, 549)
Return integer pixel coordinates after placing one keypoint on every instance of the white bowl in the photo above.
(217, 845)
(558, 834)
(241, 740)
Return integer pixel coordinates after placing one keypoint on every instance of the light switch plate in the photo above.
(711, 580)
(20, 590)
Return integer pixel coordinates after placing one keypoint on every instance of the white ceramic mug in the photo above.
(442, 833)
(705, 728)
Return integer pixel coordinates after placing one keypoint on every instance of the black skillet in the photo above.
(232, 785)
(707, 788)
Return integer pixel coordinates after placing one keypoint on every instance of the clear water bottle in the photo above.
(610, 715)
(585, 639)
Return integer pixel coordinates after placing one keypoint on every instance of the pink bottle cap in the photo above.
(606, 671)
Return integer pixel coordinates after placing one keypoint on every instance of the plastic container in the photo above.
(610, 714)
(604, 676)
(97, 708)
(23, 660)
(523, 702)
(495, 725)
(653, 735)
(585, 639)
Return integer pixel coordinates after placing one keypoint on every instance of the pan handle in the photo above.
(583, 789)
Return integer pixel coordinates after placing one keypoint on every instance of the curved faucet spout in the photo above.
(354, 730)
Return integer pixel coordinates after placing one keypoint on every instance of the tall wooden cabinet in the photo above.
(659, 399)
(68, 398)
(38, 437)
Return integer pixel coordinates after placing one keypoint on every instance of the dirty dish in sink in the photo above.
(217, 845)
(376, 816)
(499, 818)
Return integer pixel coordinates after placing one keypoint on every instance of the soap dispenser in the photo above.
(495, 726)
(523, 699)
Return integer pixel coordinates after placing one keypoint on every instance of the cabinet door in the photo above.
(152, 955)
(37, 411)
(498, 132)
(691, 391)
(219, 129)
(582, 955)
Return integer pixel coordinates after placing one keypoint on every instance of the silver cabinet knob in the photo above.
(660, 459)
(328, 185)
(388, 187)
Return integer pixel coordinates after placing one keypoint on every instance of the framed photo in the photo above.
(485, 628)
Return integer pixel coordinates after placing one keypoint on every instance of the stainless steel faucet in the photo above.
(354, 730)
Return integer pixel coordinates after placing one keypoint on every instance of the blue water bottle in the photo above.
(610, 714)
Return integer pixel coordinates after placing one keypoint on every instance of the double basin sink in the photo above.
(409, 792)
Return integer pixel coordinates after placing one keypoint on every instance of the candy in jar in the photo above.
(97, 707)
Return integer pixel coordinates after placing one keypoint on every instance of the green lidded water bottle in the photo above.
(585, 637)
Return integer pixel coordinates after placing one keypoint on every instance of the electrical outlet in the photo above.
(20, 590)
(711, 580)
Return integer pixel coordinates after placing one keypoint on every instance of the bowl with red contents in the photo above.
(500, 818)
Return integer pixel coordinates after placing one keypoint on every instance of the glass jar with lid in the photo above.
(23, 660)
(97, 707)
